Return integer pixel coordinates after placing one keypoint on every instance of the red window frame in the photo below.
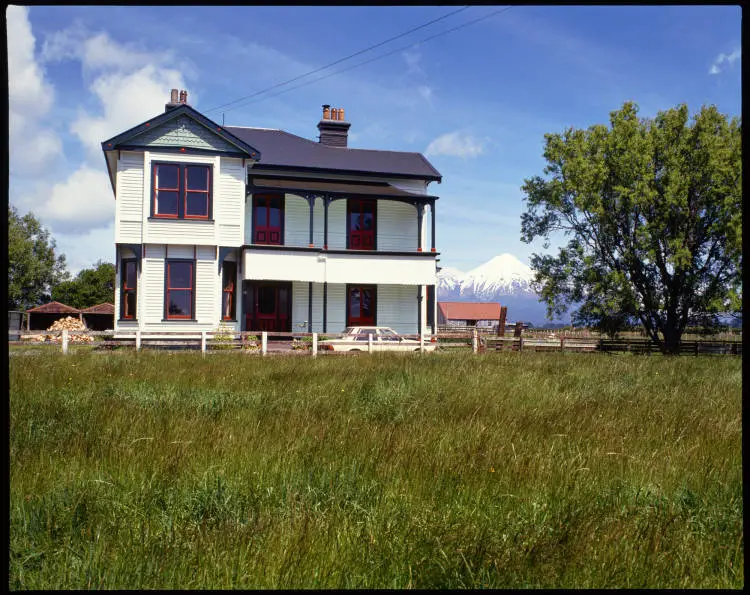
(268, 230)
(169, 288)
(206, 192)
(158, 189)
(182, 190)
(127, 289)
(361, 239)
(229, 290)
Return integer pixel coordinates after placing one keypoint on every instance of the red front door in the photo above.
(268, 307)
(361, 302)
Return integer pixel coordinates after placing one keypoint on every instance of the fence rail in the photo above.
(263, 341)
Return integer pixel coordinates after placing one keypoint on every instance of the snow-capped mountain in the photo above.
(503, 279)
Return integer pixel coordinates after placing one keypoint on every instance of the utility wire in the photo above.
(372, 47)
(401, 49)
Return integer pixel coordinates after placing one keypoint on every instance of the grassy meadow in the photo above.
(171, 470)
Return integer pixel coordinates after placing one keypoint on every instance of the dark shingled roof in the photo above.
(54, 308)
(282, 149)
(105, 308)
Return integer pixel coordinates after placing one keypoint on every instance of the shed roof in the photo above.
(470, 310)
(105, 308)
(280, 149)
(54, 308)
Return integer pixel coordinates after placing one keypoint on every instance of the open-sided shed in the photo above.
(42, 317)
(100, 317)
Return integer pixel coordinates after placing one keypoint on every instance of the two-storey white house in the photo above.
(265, 230)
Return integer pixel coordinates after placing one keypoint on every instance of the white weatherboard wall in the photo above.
(151, 289)
(296, 221)
(129, 201)
(397, 308)
(396, 226)
(229, 204)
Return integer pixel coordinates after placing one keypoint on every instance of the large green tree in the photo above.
(651, 210)
(33, 266)
(90, 287)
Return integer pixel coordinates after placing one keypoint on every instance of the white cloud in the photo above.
(723, 58)
(82, 250)
(456, 144)
(425, 92)
(30, 98)
(127, 99)
(412, 60)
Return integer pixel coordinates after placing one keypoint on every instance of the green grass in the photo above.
(158, 470)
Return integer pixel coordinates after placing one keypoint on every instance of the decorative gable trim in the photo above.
(182, 128)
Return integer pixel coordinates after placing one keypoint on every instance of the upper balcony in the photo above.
(354, 217)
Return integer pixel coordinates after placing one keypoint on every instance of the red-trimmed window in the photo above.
(268, 218)
(181, 191)
(128, 290)
(179, 289)
(361, 224)
(229, 290)
(360, 305)
(197, 191)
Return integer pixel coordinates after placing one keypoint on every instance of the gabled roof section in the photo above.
(469, 310)
(54, 308)
(104, 308)
(282, 150)
(197, 132)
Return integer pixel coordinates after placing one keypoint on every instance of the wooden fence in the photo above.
(258, 342)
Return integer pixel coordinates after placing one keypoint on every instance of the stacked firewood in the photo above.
(72, 325)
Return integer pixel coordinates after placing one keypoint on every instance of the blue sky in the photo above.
(477, 101)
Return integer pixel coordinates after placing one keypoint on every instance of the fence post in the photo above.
(138, 340)
(520, 344)
(474, 341)
(369, 343)
(562, 346)
(315, 345)
(421, 342)
(203, 343)
(65, 341)
(263, 342)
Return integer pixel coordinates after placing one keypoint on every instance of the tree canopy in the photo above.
(90, 287)
(33, 266)
(651, 210)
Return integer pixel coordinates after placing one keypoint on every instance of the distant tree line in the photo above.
(37, 274)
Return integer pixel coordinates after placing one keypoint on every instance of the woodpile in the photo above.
(71, 325)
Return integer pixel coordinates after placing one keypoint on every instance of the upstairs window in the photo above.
(181, 191)
(268, 217)
(360, 223)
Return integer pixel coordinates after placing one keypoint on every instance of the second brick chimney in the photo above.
(334, 130)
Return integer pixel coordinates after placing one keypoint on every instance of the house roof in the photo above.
(470, 310)
(183, 110)
(105, 308)
(280, 149)
(54, 308)
(378, 189)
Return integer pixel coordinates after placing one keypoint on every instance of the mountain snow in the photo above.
(503, 279)
(501, 275)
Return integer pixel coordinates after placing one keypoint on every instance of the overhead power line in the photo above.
(349, 57)
(401, 49)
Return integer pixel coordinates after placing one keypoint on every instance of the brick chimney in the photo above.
(334, 130)
(173, 101)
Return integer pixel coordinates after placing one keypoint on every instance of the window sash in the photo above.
(129, 271)
(194, 181)
(179, 291)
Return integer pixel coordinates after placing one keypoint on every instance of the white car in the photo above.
(383, 339)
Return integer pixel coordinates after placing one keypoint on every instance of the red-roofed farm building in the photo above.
(480, 314)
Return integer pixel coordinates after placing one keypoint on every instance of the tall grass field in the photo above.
(171, 470)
